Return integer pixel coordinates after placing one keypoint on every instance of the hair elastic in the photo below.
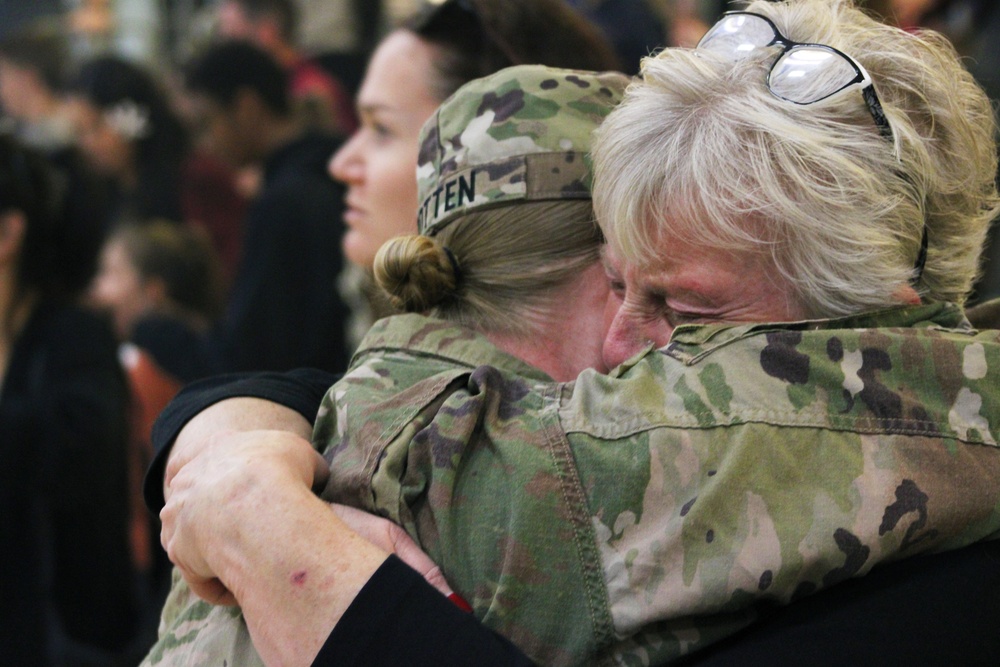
(454, 263)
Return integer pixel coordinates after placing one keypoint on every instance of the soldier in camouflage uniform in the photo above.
(635, 517)
(520, 137)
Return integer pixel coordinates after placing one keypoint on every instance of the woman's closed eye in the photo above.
(660, 305)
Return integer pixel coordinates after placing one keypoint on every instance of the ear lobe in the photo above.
(12, 227)
(906, 294)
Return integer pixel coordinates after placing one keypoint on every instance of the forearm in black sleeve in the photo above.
(400, 619)
(301, 390)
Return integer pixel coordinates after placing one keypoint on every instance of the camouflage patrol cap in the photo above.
(522, 133)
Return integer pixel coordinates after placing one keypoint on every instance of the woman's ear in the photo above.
(906, 294)
(12, 226)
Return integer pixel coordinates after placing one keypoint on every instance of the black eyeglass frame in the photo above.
(861, 75)
(867, 92)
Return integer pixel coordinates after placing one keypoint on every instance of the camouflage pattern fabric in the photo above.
(194, 632)
(520, 134)
(633, 518)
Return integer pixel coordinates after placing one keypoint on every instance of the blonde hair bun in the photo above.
(415, 272)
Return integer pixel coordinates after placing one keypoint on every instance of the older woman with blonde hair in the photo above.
(849, 195)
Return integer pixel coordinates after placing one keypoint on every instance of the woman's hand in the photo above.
(390, 537)
(232, 414)
(223, 495)
(224, 492)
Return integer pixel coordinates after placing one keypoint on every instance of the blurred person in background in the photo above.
(319, 98)
(414, 68)
(130, 133)
(283, 310)
(68, 595)
(159, 282)
(33, 71)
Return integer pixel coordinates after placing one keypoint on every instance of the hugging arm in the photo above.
(233, 402)
(255, 534)
(243, 526)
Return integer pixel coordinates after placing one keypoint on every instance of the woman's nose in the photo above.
(624, 338)
(344, 165)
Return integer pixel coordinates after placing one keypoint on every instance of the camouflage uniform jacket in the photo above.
(635, 517)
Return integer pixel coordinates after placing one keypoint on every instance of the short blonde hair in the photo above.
(701, 151)
(506, 265)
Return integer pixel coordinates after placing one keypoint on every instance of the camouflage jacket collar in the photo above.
(423, 336)
(691, 342)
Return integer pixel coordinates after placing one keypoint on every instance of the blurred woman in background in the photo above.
(414, 69)
(159, 283)
(68, 597)
(129, 133)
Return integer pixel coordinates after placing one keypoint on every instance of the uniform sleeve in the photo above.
(435, 458)
(398, 618)
(301, 390)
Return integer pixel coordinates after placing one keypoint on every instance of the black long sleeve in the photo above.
(400, 619)
(301, 390)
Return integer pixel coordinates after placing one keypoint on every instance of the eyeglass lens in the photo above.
(803, 74)
(807, 74)
(738, 35)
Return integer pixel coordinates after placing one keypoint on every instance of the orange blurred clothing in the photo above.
(151, 389)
